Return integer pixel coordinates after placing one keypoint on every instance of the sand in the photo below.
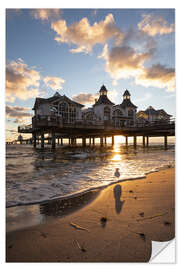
(118, 225)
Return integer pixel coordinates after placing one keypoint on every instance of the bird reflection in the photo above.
(117, 196)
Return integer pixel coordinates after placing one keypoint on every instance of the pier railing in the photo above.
(39, 122)
(156, 123)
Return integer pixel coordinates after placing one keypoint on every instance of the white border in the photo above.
(72, 4)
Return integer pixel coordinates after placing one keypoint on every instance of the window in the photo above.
(107, 113)
(130, 113)
(117, 113)
(68, 112)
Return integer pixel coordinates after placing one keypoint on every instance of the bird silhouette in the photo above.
(117, 173)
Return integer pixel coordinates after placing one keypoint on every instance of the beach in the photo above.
(112, 224)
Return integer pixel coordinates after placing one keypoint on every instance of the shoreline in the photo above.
(77, 200)
(117, 219)
(82, 192)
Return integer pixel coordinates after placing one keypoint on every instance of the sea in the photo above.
(35, 176)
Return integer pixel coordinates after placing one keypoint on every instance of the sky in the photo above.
(75, 51)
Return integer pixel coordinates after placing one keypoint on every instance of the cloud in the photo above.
(85, 98)
(54, 82)
(21, 81)
(155, 25)
(89, 99)
(85, 36)
(16, 111)
(45, 14)
(158, 76)
(18, 114)
(12, 131)
(123, 62)
(138, 39)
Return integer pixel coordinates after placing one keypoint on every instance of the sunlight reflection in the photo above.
(117, 157)
(116, 148)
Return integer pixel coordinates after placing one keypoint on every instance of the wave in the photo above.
(78, 193)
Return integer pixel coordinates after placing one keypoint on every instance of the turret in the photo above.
(126, 95)
(103, 91)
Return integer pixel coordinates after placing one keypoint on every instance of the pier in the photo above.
(53, 131)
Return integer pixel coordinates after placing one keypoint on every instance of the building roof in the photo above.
(163, 112)
(127, 103)
(103, 88)
(103, 100)
(126, 93)
(57, 97)
(151, 110)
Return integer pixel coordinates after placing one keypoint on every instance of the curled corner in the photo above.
(163, 252)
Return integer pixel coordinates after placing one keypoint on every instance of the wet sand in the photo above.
(117, 226)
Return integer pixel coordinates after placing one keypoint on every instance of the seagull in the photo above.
(117, 173)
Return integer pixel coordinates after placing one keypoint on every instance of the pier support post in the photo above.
(101, 141)
(89, 140)
(165, 142)
(126, 140)
(147, 141)
(84, 141)
(105, 140)
(113, 140)
(53, 140)
(135, 141)
(93, 141)
(61, 141)
(58, 141)
(42, 140)
(69, 141)
(34, 140)
(143, 141)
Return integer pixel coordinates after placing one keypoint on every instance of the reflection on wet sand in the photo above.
(63, 207)
(117, 196)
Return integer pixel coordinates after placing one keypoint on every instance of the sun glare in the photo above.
(119, 139)
(116, 157)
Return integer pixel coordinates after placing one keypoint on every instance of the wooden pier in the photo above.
(54, 131)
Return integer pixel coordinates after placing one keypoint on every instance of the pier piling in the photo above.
(34, 140)
(147, 141)
(165, 142)
(112, 140)
(135, 141)
(84, 141)
(42, 140)
(101, 140)
(126, 140)
(144, 141)
(93, 141)
(53, 140)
